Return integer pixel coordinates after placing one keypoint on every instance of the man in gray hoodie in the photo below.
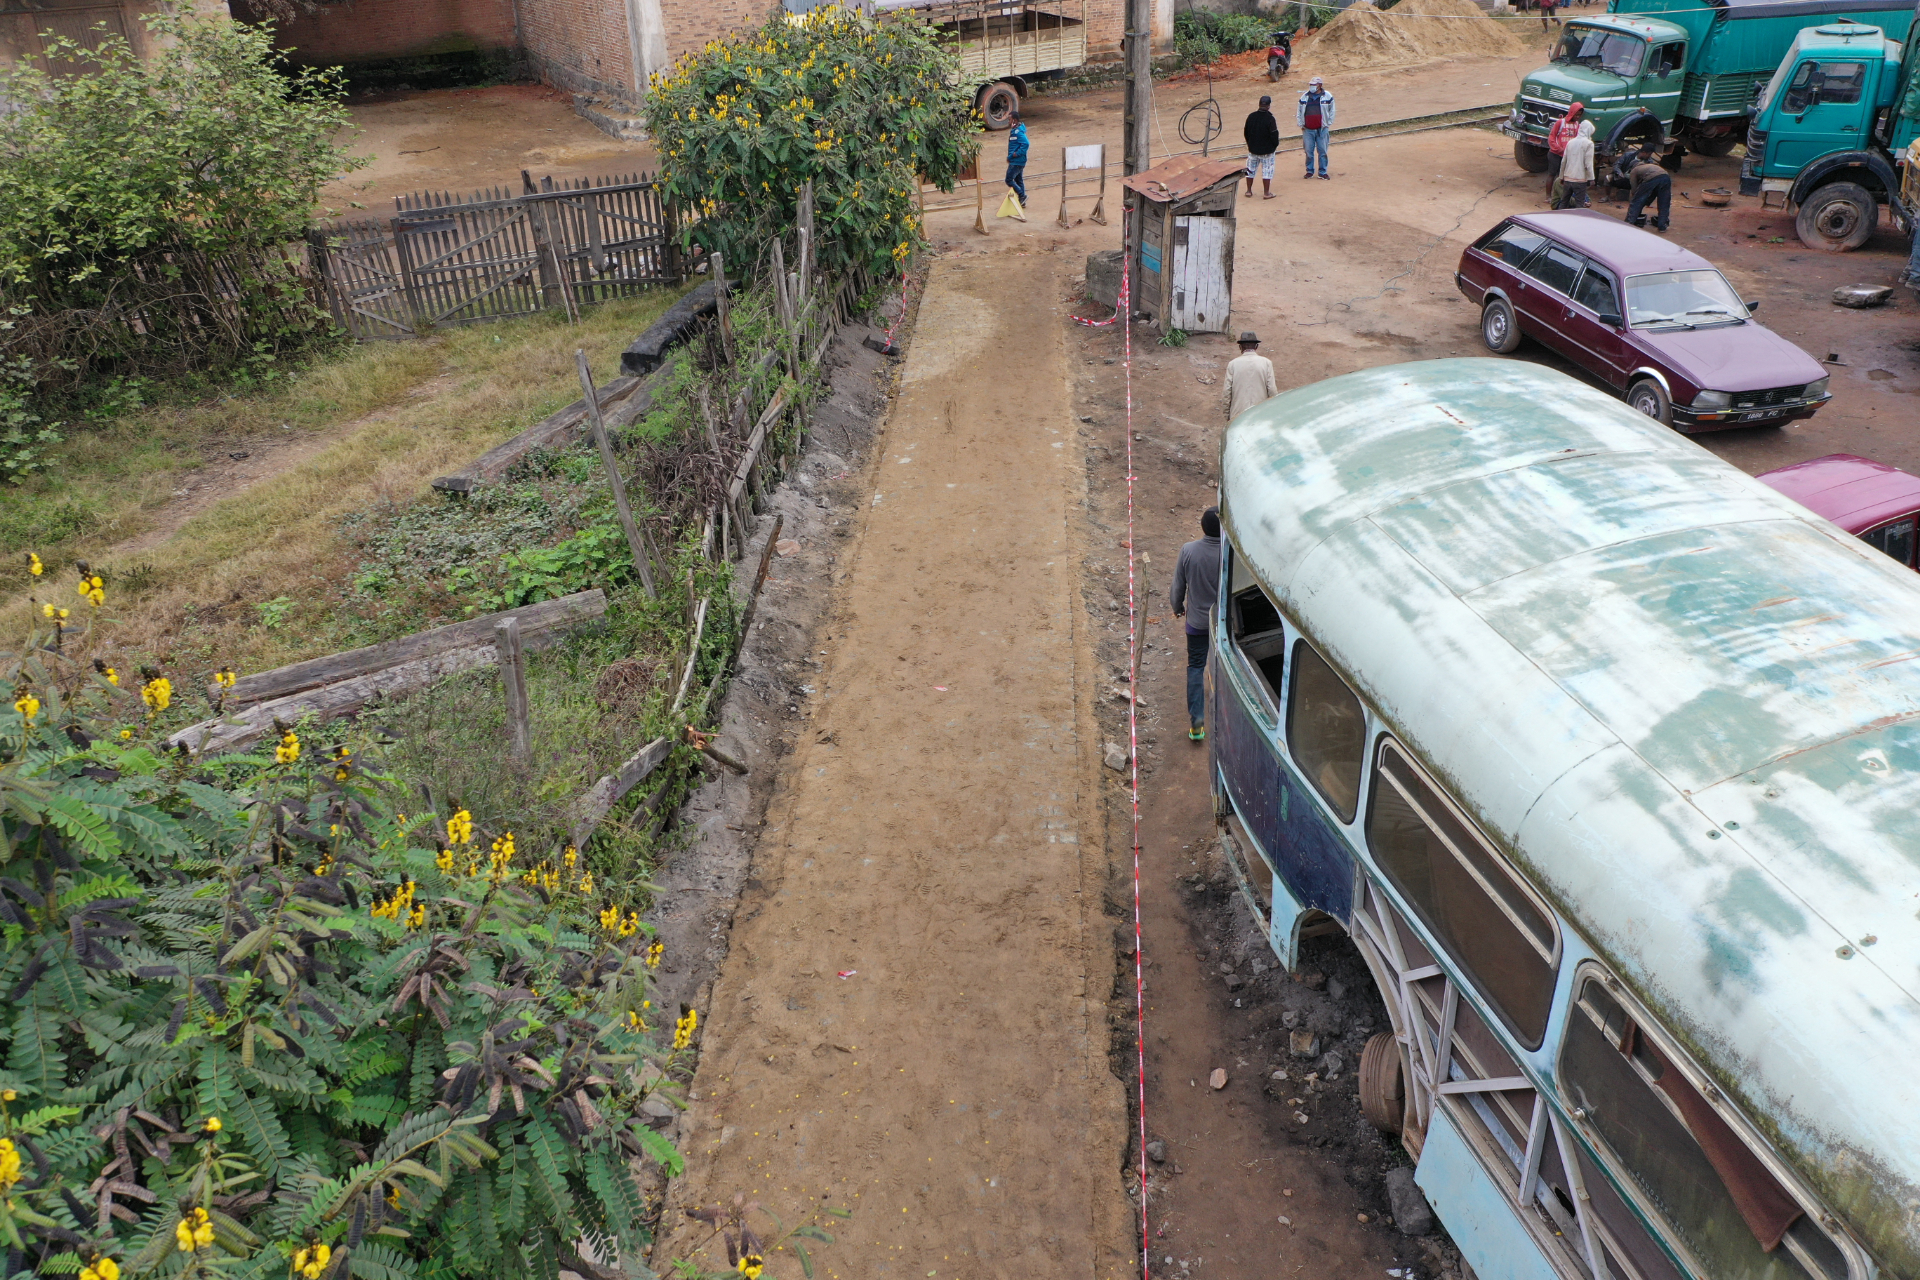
(1315, 118)
(1196, 589)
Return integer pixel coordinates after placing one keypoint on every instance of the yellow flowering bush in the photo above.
(859, 107)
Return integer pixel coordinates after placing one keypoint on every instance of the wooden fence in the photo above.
(441, 261)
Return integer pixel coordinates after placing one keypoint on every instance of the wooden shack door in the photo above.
(1202, 274)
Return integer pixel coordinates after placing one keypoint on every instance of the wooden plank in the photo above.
(642, 562)
(754, 441)
(649, 351)
(600, 798)
(623, 401)
(540, 624)
(512, 657)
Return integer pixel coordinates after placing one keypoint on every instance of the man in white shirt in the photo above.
(1576, 169)
(1249, 378)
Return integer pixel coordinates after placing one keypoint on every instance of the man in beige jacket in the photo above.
(1249, 378)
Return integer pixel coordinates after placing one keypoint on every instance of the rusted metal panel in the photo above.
(1688, 708)
(1173, 180)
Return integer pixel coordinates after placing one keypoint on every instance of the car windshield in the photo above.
(1691, 299)
(1605, 50)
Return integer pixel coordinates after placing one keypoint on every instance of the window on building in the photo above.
(1326, 731)
(1713, 1195)
(1493, 927)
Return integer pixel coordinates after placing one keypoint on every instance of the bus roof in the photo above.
(1686, 706)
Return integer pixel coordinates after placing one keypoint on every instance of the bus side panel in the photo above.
(1275, 807)
(1477, 1212)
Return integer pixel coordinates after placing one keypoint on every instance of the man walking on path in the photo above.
(1576, 170)
(1017, 164)
(1249, 378)
(1547, 8)
(1196, 588)
(1558, 137)
(1263, 142)
(1652, 184)
(1315, 118)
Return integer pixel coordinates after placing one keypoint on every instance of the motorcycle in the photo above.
(1279, 55)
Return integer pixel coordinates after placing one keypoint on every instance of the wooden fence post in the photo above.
(513, 674)
(724, 305)
(410, 288)
(641, 561)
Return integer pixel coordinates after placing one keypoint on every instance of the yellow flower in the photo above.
(103, 1268)
(126, 733)
(225, 677)
(610, 919)
(310, 1263)
(9, 1165)
(113, 676)
(751, 1265)
(56, 615)
(683, 1029)
(343, 763)
(654, 954)
(212, 1125)
(569, 857)
(195, 1231)
(92, 589)
(34, 566)
(289, 749)
(635, 1022)
(8, 1095)
(445, 860)
(27, 705)
(502, 853)
(586, 883)
(417, 917)
(460, 828)
(157, 693)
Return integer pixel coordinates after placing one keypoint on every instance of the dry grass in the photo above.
(192, 599)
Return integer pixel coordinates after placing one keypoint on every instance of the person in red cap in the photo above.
(1564, 130)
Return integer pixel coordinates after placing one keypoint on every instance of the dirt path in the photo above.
(938, 837)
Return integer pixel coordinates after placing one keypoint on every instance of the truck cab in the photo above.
(1626, 71)
(1825, 129)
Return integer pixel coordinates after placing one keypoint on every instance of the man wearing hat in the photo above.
(1263, 142)
(1249, 378)
(1315, 118)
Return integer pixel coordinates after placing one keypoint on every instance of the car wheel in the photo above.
(1719, 146)
(996, 105)
(1838, 217)
(1499, 328)
(1650, 398)
(1530, 157)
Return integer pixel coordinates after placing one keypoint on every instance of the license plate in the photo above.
(1755, 417)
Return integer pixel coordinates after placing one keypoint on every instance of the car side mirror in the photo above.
(1609, 318)
(1752, 306)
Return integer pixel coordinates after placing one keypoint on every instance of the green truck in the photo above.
(1832, 130)
(1679, 75)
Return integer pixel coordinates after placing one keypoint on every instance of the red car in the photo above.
(1878, 503)
(1678, 342)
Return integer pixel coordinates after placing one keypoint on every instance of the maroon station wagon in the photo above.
(1683, 348)
(1877, 503)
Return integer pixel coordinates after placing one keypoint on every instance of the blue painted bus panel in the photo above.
(1480, 1216)
(1275, 806)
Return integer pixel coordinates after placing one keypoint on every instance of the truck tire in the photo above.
(996, 104)
(1838, 217)
(1530, 157)
(1718, 146)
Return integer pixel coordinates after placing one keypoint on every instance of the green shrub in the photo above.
(857, 107)
(263, 1005)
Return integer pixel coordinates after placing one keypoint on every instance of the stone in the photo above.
(1304, 1044)
(1314, 979)
(1157, 1151)
(786, 547)
(1114, 756)
(1124, 939)
(1218, 1080)
(1411, 1212)
(1289, 1019)
(659, 1108)
(1336, 989)
(1234, 981)
(1859, 296)
(1333, 1063)
(1103, 277)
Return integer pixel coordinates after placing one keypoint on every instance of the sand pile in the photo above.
(1364, 37)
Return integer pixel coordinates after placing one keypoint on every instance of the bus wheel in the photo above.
(1530, 157)
(1383, 1089)
(1650, 398)
(1838, 217)
(996, 105)
(1498, 327)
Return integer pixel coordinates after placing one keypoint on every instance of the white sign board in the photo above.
(1091, 156)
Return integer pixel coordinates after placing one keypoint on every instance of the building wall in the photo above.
(23, 31)
(360, 31)
(581, 45)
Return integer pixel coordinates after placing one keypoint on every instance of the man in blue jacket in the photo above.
(1017, 161)
(1315, 118)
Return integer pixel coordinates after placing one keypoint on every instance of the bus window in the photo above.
(1326, 731)
(1716, 1198)
(1255, 624)
(1491, 926)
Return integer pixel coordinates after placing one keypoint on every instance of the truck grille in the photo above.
(1538, 117)
(1764, 399)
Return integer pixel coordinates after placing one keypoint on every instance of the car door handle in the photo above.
(1850, 128)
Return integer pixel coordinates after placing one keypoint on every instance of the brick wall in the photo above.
(691, 23)
(579, 44)
(372, 30)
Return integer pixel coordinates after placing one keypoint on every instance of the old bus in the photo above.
(1607, 759)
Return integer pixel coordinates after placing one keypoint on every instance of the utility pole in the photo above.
(1138, 139)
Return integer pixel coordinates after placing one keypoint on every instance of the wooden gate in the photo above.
(494, 256)
(1202, 274)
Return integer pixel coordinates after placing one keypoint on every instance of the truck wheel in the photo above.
(1650, 398)
(1499, 329)
(1530, 157)
(1838, 217)
(996, 105)
(1718, 146)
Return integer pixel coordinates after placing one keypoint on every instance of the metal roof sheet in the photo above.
(1688, 707)
(1176, 178)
